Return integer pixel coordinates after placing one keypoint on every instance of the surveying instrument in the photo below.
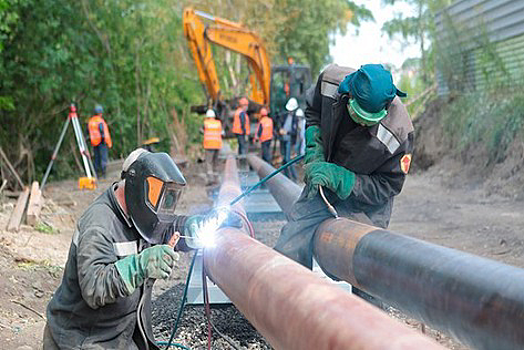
(89, 181)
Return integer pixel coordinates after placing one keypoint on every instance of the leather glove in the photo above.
(314, 149)
(338, 179)
(154, 262)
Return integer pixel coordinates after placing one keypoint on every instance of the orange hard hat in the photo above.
(243, 101)
(263, 112)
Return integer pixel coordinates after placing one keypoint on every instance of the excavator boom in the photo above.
(234, 37)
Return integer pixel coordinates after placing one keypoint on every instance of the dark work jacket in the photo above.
(373, 153)
(294, 125)
(92, 309)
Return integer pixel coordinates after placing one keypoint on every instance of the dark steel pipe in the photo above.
(290, 305)
(476, 300)
(285, 192)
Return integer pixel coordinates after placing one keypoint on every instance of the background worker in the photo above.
(288, 135)
(117, 251)
(359, 141)
(265, 134)
(301, 134)
(100, 140)
(212, 144)
(241, 126)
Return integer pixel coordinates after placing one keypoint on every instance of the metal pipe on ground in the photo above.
(288, 304)
(478, 301)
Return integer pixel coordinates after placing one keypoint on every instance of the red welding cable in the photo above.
(246, 221)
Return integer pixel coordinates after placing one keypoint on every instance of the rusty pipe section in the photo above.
(476, 300)
(230, 189)
(293, 308)
(290, 305)
(285, 192)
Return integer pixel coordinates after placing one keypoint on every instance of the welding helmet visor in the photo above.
(152, 190)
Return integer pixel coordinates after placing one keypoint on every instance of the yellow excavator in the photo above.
(269, 86)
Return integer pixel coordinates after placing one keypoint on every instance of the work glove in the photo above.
(314, 149)
(154, 262)
(334, 177)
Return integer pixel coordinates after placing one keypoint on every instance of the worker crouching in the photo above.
(117, 251)
(359, 141)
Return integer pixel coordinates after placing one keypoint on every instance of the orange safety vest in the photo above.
(94, 131)
(212, 134)
(267, 129)
(237, 126)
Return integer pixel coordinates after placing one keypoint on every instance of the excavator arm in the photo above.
(231, 36)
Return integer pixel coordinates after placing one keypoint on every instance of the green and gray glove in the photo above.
(314, 149)
(338, 179)
(154, 262)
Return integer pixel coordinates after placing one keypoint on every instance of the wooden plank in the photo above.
(35, 204)
(18, 211)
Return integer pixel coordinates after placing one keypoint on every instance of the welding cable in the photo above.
(205, 293)
(182, 303)
(330, 207)
(255, 186)
(246, 221)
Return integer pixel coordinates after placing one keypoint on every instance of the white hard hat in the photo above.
(210, 113)
(300, 113)
(292, 104)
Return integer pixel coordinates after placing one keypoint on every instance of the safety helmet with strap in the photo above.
(153, 184)
(292, 104)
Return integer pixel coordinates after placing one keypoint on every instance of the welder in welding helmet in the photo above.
(153, 186)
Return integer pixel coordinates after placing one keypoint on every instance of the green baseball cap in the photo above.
(372, 90)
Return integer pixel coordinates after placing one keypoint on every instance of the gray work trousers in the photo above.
(212, 165)
(296, 237)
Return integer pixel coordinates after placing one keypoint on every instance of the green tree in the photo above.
(417, 27)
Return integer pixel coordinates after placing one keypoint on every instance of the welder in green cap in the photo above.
(359, 141)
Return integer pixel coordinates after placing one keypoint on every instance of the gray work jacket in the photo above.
(378, 155)
(91, 309)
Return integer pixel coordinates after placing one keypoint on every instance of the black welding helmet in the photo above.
(152, 189)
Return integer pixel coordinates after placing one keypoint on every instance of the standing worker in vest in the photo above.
(241, 126)
(212, 145)
(100, 140)
(265, 134)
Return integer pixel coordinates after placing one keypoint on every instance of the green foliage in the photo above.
(45, 228)
(130, 57)
(485, 119)
(309, 27)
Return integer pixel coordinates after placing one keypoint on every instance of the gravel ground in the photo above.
(192, 330)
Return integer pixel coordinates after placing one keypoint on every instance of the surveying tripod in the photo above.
(86, 158)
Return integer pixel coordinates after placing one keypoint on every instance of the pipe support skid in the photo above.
(288, 304)
(477, 300)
